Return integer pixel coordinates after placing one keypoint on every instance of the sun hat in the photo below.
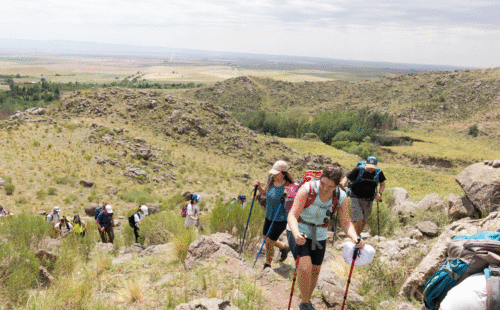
(56, 208)
(109, 209)
(365, 255)
(144, 209)
(371, 162)
(196, 197)
(279, 166)
(242, 197)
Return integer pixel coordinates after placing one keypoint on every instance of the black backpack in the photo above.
(131, 220)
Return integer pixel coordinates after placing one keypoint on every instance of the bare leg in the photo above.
(304, 274)
(314, 279)
(358, 226)
(269, 250)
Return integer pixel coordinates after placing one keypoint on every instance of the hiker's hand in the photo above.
(256, 183)
(378, 197)
(361, 244)
(102, 229)
(287, 188)
(300, 239)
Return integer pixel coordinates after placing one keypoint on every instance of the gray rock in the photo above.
(157, 249)
(428, 229)
(405, 208)
(405, 306)
(105, 247)
(42, 212)
(481, 184)
(45, 255)
(122, 259)
(90, 210)
(398, 250)
(226, 239)
(400, 195)
(163, 280)
(87, 183)
(45, 277)
(139, 140)
(3, 182)
(431, 202)
(112, 191)
(153, 208)
(459, 207)
(207, 304)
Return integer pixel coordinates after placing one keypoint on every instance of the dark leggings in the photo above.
(111, 235)
(136, 233)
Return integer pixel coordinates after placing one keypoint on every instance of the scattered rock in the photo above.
(122, 259)
(153, 208)
(3, 182)
(428, 229)
(157, 249)
(431, 202)
(47, 256)
(226, 239)
(400, 195)
(207, 304)
(87, 183)
(90, 210)
(42, 212)
(112, 191)
(45, 277)
(459, 207)
(105, 247)
(163, 280)
(405, 306)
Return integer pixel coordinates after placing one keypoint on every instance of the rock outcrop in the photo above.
(207, 304)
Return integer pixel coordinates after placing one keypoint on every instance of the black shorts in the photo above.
(276, 230)
(316, 255)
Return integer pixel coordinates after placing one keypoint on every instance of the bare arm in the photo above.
(344, 181)
(378, 197)
(346, 223)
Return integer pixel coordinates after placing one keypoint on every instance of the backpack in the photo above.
(467, 255)
(131, 219)
(98, 212)
(362, 166)
(310, 175)
(184, 210)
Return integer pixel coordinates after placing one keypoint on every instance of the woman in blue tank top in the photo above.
(276, 185)
(309, 224)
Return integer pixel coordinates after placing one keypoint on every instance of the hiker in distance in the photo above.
(79, 226)
(3, 212)
(241, 200)
(138, 216)
(54, 217)
(63, 228)
(192, 209)
(310, 218)
(105, 222)
(364, 180)
(277, 183)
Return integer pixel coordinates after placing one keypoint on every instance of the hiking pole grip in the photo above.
(249, 214)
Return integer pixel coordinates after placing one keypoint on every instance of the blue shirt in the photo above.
(273, 203)
(104, 219)
(316, 212)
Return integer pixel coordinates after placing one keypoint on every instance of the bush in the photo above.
(232, 218)
(65, 180)
(182, 241)
(51, 191)
(310, 136)
(139, 196)
(9, 189)
(40, 194)
(173, 203)
(473, 130)
(383, 217)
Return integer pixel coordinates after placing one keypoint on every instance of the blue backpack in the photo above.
(98, 211)
(467, 255)
(362, 167)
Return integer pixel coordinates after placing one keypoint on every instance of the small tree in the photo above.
(473, 130)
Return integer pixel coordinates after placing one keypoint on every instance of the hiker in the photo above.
(363, 190)
(105, 222)
(98, 211)
(308, 227)
(277, 182)
(192, 209)
(241, 199)
(54, 217)
(79, 226)
(138, 216)
(3, 212)
(63, 228)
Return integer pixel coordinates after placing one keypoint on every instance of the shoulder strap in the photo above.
(377, 172)
(360, 173)
(493, 288)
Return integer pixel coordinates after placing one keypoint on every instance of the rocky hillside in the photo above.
(413, 97)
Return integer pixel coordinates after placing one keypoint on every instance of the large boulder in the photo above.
(153, 208)
(481, 184)
(90, 210)
(414, 284)
(87, 183)
(207, 304)
(400, 195)
(46, 278)
(428, 229)
(333, 289)
(431, 202)
(405, 209)
(459, 207)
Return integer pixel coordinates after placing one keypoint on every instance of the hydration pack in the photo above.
(131, 219)
(184, 210)
(467, 255)
(362, 167)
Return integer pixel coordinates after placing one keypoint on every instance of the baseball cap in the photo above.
(144, 209)
(109, 209)
(196, 197)
(56, 208)
(371, 162)
(279, 166)
(242, 197)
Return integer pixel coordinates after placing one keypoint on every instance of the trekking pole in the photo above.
(299, 250)
(248, 221)
(378, 221)
(354, 256)
(282, 200)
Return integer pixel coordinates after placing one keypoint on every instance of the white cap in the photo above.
(144, 209)
(109, 209)
(56, 208)
(279, 166)
(365, 255)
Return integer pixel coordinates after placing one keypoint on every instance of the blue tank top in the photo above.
(273, 203)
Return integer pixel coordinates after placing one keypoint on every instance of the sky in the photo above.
(441, 32)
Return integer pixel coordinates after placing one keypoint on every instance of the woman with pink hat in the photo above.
(277, 183)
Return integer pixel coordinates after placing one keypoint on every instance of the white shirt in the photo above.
(64, 230)
(53, 218)
(138, 216)
(470, 294)
(193, 211)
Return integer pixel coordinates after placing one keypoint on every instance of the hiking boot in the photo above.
(303, 306)
(284, 253)
(266, 265)
(311, 307)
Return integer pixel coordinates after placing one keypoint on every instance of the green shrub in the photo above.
(70, 198)
(9, 189)
(173, 203)
(182, 240)
(65, 180)
(383, 217)
(51, 191)
(473, 130)
(40, 194)
(232, 218)
(139, 196)
(36, 143)
(310, 136)
(158, 228)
